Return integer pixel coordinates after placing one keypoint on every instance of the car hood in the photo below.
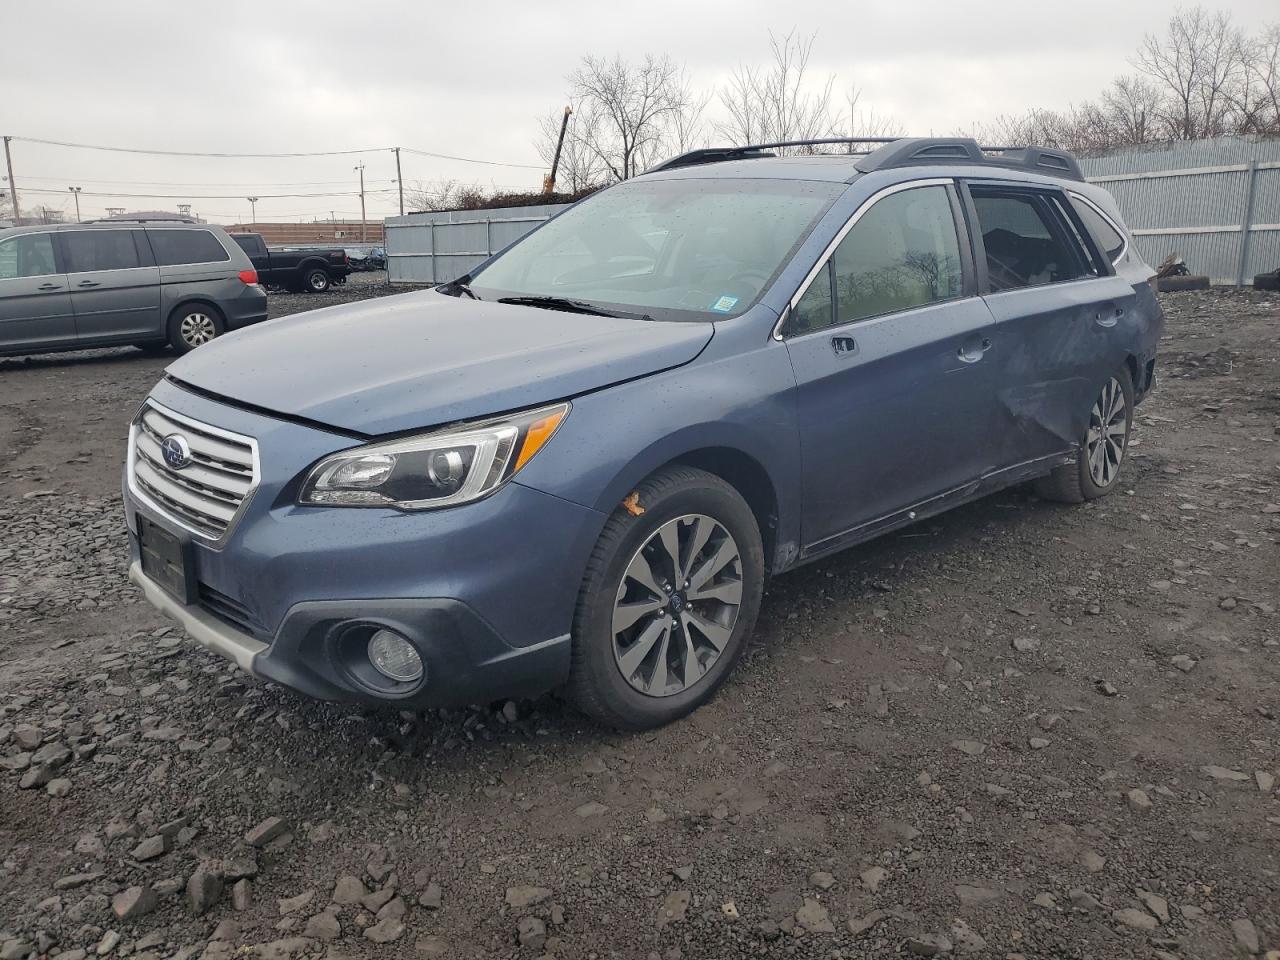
(423, 359)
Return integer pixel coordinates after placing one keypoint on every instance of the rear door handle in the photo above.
(972, 352)
(844, 346)
(49, 286)
(88, 283)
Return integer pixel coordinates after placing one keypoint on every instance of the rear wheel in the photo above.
(1102, 449)
(669, 598)
(315, 280)
(193, 325)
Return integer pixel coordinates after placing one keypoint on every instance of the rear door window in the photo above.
(30, 255)
(1104, 232)
(90, 251)
(174, 247)
(1027, 243)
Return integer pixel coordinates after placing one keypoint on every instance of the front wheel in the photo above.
(316, 281)
(1102, 449)
(669, 599)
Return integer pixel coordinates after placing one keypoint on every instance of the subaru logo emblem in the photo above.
(176, 451)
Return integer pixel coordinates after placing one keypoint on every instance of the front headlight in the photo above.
(441, 469)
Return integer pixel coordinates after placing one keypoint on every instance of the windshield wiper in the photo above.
(571, 306)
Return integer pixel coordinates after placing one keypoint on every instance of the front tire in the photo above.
(315, 281)
(668, 601)
(1102, 449)
(193, 325)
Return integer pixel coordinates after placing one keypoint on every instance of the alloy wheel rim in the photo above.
(1105, 442)
(317, 282)
(677, 605)
(197, 328)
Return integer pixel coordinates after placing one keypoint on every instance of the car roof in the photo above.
(106, 225)
(845, 159)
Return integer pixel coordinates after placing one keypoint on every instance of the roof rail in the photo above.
(752, 151)
(902, 152)
(143, 220)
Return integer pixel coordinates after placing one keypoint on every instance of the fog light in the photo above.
(393, 656)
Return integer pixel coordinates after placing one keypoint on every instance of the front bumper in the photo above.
(466, 662)
(485, 591)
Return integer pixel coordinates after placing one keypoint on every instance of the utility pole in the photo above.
(399, 180)
(362, 226)
(75, 192)
(253, 209)
(549, 183)
(13, 186)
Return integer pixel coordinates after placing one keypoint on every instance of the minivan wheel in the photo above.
(316, 281)
(194, 325)
(668, 600)
(1102, 449)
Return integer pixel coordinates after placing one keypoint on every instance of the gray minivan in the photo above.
(149, 283)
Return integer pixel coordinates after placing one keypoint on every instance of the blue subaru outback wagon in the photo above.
(577, 465)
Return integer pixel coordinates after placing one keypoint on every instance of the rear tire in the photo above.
(193, 325)
(699, 607)
(315, 280)
(1103, 449)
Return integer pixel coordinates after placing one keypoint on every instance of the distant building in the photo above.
(339, 233)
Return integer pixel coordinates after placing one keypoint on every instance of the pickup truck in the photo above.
(300, 269)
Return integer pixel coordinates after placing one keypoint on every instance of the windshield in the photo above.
(672, 249)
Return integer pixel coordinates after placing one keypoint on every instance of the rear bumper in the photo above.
(248, 308)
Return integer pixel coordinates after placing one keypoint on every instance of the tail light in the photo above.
(248, 276)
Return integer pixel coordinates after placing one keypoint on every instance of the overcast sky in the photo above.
(470, 79)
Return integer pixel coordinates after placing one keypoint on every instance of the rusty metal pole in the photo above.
(550, 186)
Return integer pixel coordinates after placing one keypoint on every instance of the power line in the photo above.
(193, 153)
(188, 183)
(268, 156)
(209, 196)
(491, 163)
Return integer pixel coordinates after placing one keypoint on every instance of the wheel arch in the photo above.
(742, 470)
(191, 300)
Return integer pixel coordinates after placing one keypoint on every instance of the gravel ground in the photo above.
(1019, 730)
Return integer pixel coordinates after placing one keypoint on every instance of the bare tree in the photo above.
(1196, 62)
(776, 103)
(1258, 96)
(626, 110)
(1130, 109)
(441, 195)
(857, 122)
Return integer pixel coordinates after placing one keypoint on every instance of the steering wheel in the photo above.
(746, 277)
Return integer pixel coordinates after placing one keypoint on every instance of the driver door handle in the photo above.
(88, 283)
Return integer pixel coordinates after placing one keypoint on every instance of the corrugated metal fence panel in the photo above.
(438, 247)
(1215, 203)
(1222, 151)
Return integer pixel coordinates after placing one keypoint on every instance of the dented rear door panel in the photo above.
(1054, 347)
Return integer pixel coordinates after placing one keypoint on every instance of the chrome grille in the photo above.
(203, 496)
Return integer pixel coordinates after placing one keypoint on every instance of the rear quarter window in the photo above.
(174, 247)
(1109, 238)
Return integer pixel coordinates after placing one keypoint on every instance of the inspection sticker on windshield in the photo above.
(724, 304)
